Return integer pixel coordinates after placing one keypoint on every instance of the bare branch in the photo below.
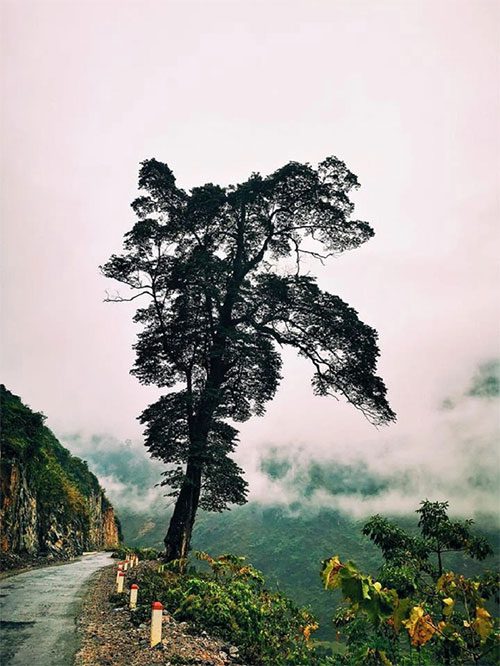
(121, 299)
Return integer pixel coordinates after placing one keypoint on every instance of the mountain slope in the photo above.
(51, 505)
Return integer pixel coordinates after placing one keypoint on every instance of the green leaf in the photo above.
(401, 612)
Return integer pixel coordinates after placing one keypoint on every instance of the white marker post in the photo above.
(156, 618)
(133, 596)
(125, 565)
(120, 568)
(119, 584)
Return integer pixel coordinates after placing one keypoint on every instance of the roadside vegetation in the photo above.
(51, 503)
(227, 597)
(415, 610)
(412, 611)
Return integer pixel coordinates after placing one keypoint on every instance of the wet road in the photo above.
(38, 610)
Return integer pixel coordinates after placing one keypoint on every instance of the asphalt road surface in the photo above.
(38, 610)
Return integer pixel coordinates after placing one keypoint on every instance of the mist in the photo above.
(454, 457)
(219, 90)
(129, 476)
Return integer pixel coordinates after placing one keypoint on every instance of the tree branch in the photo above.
(122, 299)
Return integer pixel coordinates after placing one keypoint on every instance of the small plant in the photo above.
(118, 599)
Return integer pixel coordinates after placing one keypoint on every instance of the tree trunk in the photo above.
(181, 524)
(180, 529)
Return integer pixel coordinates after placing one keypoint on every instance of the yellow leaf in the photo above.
(483, 624)
(420, 627)
(330, 573)
(445, 580)
(416, 613)
(308, 629)
(448, 606)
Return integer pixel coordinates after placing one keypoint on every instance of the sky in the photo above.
(405, 92)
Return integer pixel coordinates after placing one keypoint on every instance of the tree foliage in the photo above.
(222, 272)
(408, 556)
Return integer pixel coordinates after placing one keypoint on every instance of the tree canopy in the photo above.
(222, 270)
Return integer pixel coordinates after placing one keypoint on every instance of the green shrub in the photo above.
(417, 612)
(231, 602)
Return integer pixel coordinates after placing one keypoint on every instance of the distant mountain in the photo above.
(51, 503)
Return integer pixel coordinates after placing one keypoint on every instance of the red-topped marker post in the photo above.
(119, 583)
(133, 596)
(156, 618)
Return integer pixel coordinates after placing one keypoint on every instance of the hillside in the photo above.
(52, 505)
(289, 547)
(287, 542)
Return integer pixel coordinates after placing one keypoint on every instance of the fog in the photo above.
(405, 93)
(454, 457)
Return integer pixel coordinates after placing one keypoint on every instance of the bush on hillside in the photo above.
(230, 601)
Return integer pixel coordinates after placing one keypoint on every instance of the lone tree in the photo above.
(221, 271)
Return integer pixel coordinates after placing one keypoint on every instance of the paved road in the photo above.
(38, 610)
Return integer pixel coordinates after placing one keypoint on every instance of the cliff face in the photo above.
(50, 504)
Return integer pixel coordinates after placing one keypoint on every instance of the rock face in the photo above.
(51, 504)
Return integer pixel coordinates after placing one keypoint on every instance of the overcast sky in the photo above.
(405, 92)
